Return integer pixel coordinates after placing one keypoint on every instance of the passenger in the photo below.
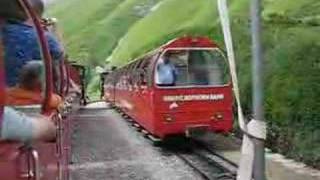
(21, 44)
(19, 127)
(28, 89)
(198, 68)
(166, 74)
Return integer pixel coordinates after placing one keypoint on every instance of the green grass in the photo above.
(93, 27)
(78, 18)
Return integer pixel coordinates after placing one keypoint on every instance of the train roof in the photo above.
(181, 42)
(189, 41)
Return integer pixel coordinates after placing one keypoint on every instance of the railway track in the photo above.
(196, 154)
(204, 161)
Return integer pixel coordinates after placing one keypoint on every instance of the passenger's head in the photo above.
(38, 6)
(30, 76)
(167, 57)
(11, 9)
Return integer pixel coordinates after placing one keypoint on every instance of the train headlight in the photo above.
(218, 116)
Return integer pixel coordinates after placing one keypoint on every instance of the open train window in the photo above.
(120, 83)
(192, 67)
(143, 70)
(131, 70)
(133, 73)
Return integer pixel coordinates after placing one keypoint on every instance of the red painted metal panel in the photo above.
(191, 107)
(13, 162)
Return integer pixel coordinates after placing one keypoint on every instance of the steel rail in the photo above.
(202, 153)
(231, 166)
(194, 167)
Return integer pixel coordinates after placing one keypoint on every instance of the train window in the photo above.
(192, 68)
(130, 73)
(144, 71)
(134, 73)
(120, 77)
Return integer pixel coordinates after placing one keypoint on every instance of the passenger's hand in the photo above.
(61, 107)
(43, 129)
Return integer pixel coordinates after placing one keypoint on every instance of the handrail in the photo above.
(62, 78)
(68, 78)
(33, 160)
(2, 78)
(44, 52)
(59, 134)
(82, 83)
(36, 163)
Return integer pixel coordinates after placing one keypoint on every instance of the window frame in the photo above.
(190, 86)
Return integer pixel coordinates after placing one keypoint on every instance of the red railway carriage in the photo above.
(37, 160)
(200, 98)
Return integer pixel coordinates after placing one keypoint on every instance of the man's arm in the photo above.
(44, 129)
(56, 49)
(57, 54)
(17, 126)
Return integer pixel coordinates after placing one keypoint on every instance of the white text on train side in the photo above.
(197, 97)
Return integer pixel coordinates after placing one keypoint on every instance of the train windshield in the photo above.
(192, 68)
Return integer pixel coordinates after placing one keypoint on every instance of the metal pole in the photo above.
(257, 70)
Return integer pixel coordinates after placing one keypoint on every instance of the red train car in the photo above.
(200, 98)
(37, 160)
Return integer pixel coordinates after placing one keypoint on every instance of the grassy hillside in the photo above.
(120, 30)
(169, 20)
(93, 27)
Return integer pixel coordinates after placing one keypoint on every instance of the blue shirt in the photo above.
(21, 46)
(166, 74)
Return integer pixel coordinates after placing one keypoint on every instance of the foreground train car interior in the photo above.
(52, 99)
(199, 99)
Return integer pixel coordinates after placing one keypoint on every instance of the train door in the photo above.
(145, 93)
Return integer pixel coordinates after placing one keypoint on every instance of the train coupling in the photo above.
(196, 130)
